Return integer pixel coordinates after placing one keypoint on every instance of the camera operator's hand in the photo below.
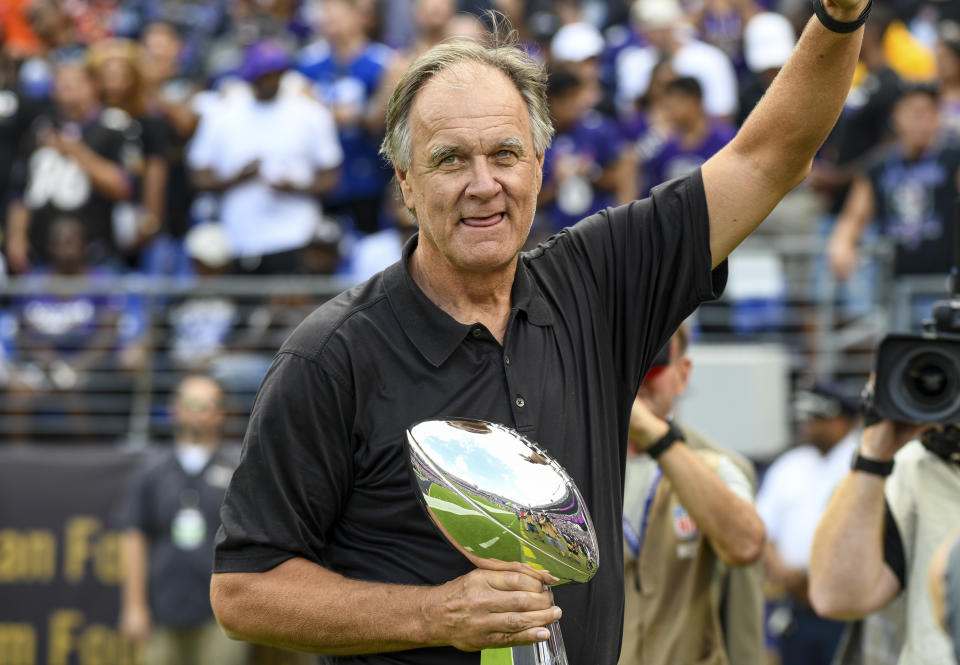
(882, 440)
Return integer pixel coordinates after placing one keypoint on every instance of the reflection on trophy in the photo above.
(498, 497)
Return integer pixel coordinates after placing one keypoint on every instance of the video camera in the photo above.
(918, 375)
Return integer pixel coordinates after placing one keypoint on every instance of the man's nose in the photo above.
(483, 183)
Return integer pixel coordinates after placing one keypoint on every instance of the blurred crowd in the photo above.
(181, 138)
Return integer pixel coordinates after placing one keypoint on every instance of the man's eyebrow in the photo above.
(515, 143)
(441, 152)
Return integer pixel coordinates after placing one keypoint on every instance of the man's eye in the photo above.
(450, 159)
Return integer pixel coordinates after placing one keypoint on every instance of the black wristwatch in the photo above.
(842, 27)
(867, 465)
(672, 436)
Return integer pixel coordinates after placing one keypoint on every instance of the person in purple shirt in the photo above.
(588, 166)
(694, 136)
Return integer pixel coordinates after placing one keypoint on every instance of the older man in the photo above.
(324, 547)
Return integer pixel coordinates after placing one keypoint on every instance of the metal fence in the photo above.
(109, 378)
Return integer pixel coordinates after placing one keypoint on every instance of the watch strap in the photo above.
(873, 466)
(842, 27)
(673, 435)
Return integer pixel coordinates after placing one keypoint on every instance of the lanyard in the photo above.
(635, 540)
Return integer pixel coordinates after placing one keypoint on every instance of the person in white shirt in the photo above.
(792, 497)
(661, 24)
(270, 158)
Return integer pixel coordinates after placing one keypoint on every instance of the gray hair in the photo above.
(502, 55)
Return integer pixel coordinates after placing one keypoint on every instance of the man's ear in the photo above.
(684, 364)
(405, 190)
(540, 159)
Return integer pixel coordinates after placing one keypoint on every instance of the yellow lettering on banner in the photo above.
(94, 644)
(18, 644)
(27, 556)
(85, 540)
(77, 549)
(61, 638)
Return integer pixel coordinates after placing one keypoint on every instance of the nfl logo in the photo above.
(683, 524)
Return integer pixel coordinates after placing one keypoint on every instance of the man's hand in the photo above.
(842, 256)
(883, 440)
(492, 608)
(135, 623)
(645, 427)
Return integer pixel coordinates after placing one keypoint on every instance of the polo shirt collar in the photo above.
(435, 333)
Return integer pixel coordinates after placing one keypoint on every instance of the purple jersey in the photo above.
(674, 159)
(594, 139)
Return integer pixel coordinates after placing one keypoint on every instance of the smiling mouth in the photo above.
(483, 221)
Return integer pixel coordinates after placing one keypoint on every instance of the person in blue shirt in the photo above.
(588, 166)
(347, 69)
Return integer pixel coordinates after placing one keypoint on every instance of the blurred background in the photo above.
(182, 181)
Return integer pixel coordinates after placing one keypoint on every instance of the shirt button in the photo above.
(506, 360)
(477, 332)
(520, 402)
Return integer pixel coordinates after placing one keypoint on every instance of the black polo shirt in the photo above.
(324, 474)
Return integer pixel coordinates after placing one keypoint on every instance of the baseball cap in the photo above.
(576, 42)
(264, 57)
(209, 244)
(768, 41)
(657, 13)
(824, 399)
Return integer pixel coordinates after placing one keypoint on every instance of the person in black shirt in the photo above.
(910, 189)
(76, 162)
(323, 546)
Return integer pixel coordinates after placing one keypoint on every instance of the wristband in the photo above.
(672, 436)
(842, 27)
(867, 465)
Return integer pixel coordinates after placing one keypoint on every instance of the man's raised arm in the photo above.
(773, 150)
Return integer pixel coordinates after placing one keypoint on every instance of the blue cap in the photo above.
(264, 57)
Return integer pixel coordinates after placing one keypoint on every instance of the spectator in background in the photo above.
(116, 68)
(768, 40)
(577, 47)
(270, 159)
(948, 78)
(648, 125)
(171, 513)
(16, 114)
(347, 69)
(57, 39)
(694, 137)
(721, 23)
(588, 165)
(64, 342)
(911, 191)
(793, 495)
(77, 160)
(377, 251)
(661, 23)
(688, 515)
(169, 96)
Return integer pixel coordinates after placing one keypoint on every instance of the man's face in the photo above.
(267, 86)
(659, 391)
(474, 178)
(916, 120)
(682, 110)
(341, 20)
(73, 90)
(197, 409)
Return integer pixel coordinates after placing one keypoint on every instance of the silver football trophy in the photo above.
(498, 497)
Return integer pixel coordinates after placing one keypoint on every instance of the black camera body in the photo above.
(918, 375)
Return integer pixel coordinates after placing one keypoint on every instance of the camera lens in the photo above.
(930, 381)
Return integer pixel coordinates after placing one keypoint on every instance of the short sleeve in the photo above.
(295, 471)
(735, 479)
(202, 147)
(650, 261)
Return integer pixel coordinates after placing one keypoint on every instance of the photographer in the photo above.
(879, 532)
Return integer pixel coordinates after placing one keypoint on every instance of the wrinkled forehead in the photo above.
(469, 102)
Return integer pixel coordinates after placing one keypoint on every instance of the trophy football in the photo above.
(498, 497)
